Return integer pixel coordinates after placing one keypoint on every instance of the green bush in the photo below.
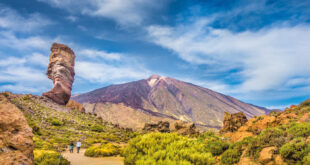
(42, 157)
(167, 148)
(306, 160)
(107, 149)
(96, 128)
(268, 137)
(271, 137)
(217, 147)
(300, 130)
(56, 122)
(231, 156)
(305, 103)
(295, 150)
(275, 113)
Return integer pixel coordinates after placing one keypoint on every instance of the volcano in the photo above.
(163, 98)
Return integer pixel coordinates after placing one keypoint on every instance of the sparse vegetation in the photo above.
(295, 150)
(231, 156)
(167, 148)
(300, 130)
(47, 157)
(55, 130)
(105, 149)
(96, 128)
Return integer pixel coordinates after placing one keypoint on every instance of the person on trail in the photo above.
(78, 146)
(71, 147)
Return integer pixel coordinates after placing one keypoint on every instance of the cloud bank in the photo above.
(265, 59)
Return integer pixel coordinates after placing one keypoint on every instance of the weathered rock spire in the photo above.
(61, 71)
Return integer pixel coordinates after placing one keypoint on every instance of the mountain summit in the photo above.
(156, 98)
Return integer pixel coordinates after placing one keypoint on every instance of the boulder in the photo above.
(161, 126)
(16, 144)
(232, 122)
(185, 128)
(246, 160)
(75, 106)
(61, 71)
(278, 160)
(266, 155)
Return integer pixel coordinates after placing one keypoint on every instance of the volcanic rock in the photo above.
(185, 128)
(61, 71)
(232, 122)
(16, 144)
(75, 106)
(161, 126)
(266, 155)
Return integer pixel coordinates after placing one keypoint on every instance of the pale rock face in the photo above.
(61, 71)
(154, 79)
(16, 144)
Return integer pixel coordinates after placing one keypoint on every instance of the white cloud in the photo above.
(91, 53)
(72, 18)
(14, 21)
(10, 40)
(102, 73)
(23, 78)
(128, 12)
(268, 58)
(22, 69)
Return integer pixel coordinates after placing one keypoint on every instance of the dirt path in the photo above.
(80, 159)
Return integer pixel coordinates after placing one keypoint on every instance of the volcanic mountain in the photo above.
(162, 98)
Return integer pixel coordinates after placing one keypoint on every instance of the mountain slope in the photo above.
(164, 98)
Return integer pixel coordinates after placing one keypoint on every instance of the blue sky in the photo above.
(255, 50)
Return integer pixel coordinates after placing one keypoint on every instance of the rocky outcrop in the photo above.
(161, 126)
(61, 71)
(266, 155)
(16, 144)
(232, 122)
(185, 128)
(75, 106)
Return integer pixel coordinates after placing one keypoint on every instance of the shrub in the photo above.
(258, 118)
(45, 157)
(208, 137)
(306, 160)
(271, 137)
(275, 113)
(305, 103)
(96, 128)
(56, 122)
(300, 130)
(217, 147)
(107, 149)
(231, 156)
(268, 137)
(167, 148)
(295, 150)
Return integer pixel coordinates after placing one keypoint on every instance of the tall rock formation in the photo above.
(232, 122)
(16, 144)
(61, 71)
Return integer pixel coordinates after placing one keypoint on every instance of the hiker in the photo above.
(71, 147)
(78, 146)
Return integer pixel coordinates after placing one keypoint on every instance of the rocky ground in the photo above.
(80, 159)
(16, 144)
(52, 126)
